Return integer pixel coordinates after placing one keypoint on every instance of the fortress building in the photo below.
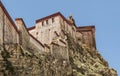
(54, 46)
(47, 34)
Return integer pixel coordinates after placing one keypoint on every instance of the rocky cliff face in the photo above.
(82, 61)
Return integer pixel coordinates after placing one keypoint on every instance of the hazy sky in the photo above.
(104, 14)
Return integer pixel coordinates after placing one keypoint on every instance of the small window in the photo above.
(42, 23)
(46, 21)
(52, 20)
(36, 33)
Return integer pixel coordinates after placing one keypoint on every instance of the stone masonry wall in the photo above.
(7, 31)
(1, 26)
(27, 40)
(45, 31)
(34, 44)
(59, 51)
(24, 35)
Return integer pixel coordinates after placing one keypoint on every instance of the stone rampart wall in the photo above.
(34, 44)
(27, 40)
(62, 53)
(1, 26)
(8, 32)
(24, 35)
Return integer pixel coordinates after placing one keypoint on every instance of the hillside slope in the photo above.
(17, 61)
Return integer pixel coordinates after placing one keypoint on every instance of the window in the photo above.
(36, 33)
(46, 21)
(42, 23)
(52, 20)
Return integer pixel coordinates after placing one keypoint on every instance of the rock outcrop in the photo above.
(82, 61)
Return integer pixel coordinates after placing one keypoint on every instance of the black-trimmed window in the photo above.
(42, 23)
(46, 21)
(53, 20)
(36, 33)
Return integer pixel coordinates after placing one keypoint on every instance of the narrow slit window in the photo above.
(36, 33)
(42, 23)
(53, 20)
(46, 21)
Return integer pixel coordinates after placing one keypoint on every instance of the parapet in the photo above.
(86, 28)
